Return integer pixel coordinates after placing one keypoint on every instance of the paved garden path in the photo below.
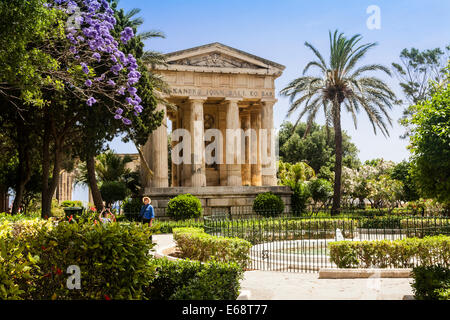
(268, 285)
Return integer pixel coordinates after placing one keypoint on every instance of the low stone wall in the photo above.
(220, 199)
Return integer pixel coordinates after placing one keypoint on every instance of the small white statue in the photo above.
(339, 236)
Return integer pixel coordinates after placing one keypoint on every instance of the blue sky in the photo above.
(277, 30)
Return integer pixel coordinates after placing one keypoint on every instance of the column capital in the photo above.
(269, 101)
(197, 99)
(234, 99)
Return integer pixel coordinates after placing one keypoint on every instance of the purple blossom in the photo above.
(119, 111)
(132, 91)
(88, 83)
(85, 68)
(91, 101)
(138, 108)
(97, 56)
(111, 83)
(126, 121)
(126, 35)
(121, 91)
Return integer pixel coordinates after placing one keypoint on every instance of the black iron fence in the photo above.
(288, 243)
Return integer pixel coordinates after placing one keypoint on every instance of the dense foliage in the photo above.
(430, 145)
(113, 258)
(193, 280)
(431, 283)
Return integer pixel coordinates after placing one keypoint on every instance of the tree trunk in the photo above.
(338, 164)
(3, 201)
(23, 171)
(96, 195)
(45, 167)
(51, 188)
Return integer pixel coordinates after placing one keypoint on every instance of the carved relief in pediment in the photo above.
(215, 59)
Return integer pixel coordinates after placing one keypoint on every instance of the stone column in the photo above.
(174, 170)
(222, 125)
(268, 158)
(256, 149)
(246, 142)
(156, 154)
(233, 148)
(198, 171)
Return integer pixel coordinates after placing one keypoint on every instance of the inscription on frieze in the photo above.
(239, 93)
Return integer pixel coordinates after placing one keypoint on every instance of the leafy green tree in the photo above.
(315, 148)
(113, 191)
(430, 144)
(417, 68)
(401, 172)
(321, 192)
(341, 86)
(296, 176)
(416, 72)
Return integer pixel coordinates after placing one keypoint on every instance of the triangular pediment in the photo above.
(217, 55)
(216, 59)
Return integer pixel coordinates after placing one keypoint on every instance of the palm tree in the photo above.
(341, 84)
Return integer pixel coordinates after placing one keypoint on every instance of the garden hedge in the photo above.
(263, 230)
(404, 253)
(168, 226)
(193, 280)
(113, 259)
(195, 244)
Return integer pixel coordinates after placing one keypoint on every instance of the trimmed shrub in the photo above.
(431, 283)
(168, 226)
(184, 206)
(392, 222)
(195, 244)
(420, 227)
(404, 253)
(70, 204)
(113, 191)
(192, 280)
(268, 204)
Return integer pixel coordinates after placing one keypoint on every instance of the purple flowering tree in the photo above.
(92, 69)
(91, 65)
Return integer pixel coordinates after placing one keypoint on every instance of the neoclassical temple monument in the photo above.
(215, 91)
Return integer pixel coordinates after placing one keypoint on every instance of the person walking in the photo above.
(147, 213)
